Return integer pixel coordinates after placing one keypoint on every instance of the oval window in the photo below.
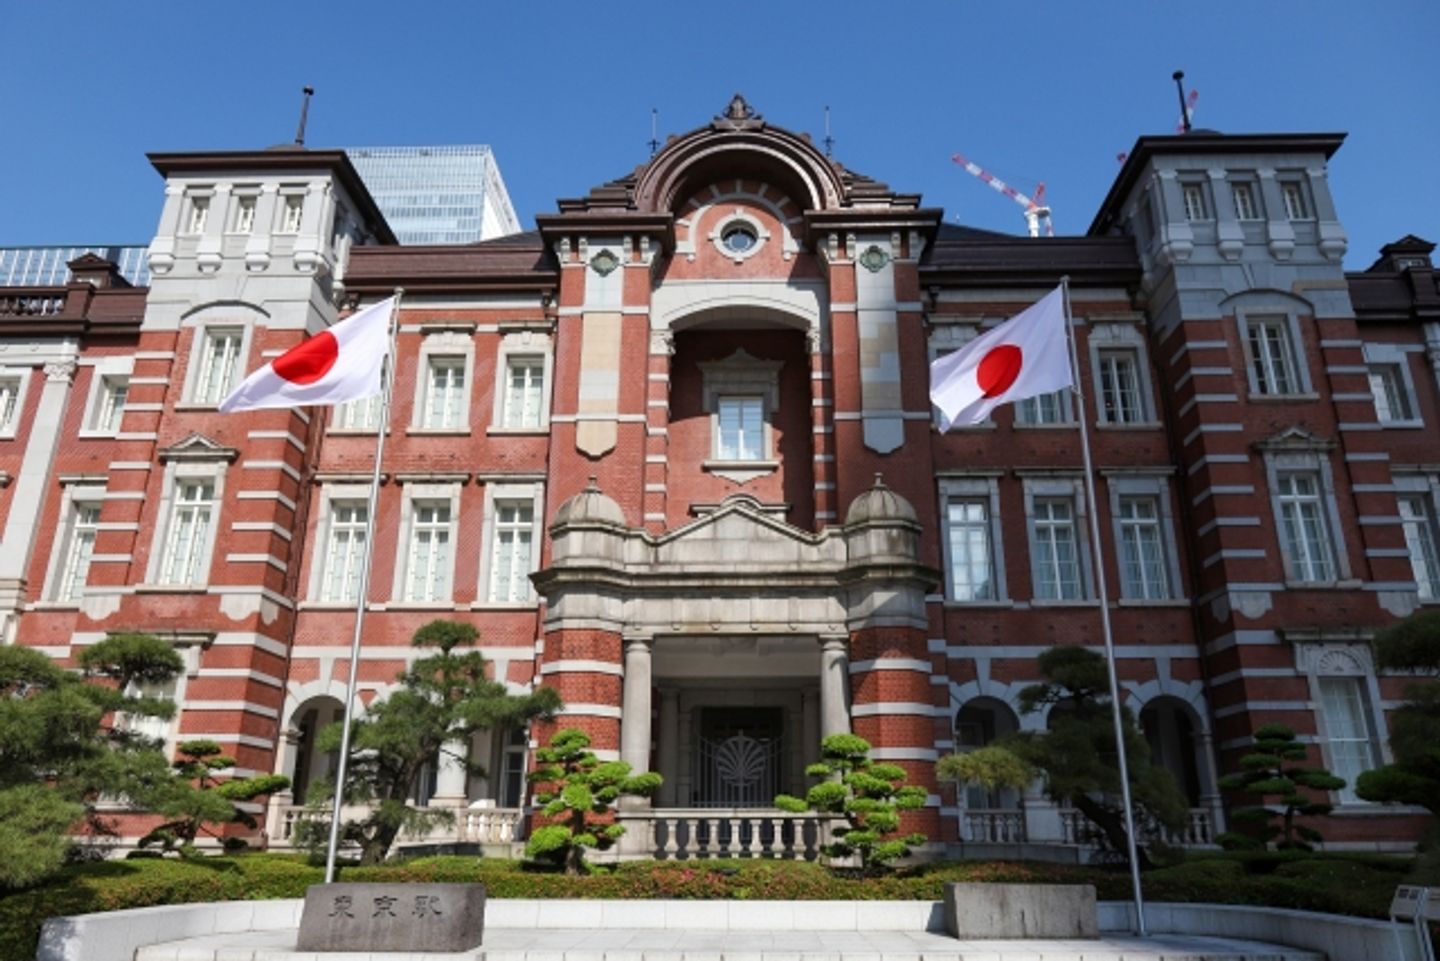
(739, 238)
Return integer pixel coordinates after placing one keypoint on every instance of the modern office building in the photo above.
(47, 266)
(672, 454)
(438, 195)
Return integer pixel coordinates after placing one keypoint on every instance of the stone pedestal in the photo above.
(985, 911)
(392, 917)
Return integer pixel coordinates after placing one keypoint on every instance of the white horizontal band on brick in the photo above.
(149, 381)
(130, 465)
(247, 707)
(1339, 344)
(582, 667)
(823, 458)
(1200, 463)
(656, 459)
(652, 516)
(1386, 552)
(1206, 399)
(1380, 520)
(111, 558)
(904, 754)
(590, 710)
(1246, 706)
(266, 526)
(266, 644)
(1359, 427)
(117, 526)
(898, 707)
(1373, 488)
(284, 435)
(1221, 489)
(824, 515)
(1030, 651)
(264, 496)
(1347, 369)
(1197, 345)
(1183, 379)
(890, 664)
(1229, 676)
(656, 431)
(279, 465)
(153, 355)
(1233, 554)
(274, 562)
(1358, 397)
(123, 495)
(247, 740)
(580, 418)
(1212, 429)
(1367, 455)
(822, 429)
(143, 407)
(1209, 526)
(269, 680)
(137, 435)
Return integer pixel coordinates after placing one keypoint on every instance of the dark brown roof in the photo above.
(517, 262)
(962, 256)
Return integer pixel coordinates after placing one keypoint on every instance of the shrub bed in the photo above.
(1357, 885)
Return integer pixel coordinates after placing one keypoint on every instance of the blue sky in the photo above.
(563, 91)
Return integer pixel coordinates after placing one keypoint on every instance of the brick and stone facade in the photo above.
(672, 453)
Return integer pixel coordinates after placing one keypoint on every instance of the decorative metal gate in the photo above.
(738, 772)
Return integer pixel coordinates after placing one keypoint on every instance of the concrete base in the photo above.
(392, 917)
(1020, 911)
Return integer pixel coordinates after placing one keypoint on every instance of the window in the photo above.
(971, 561)
(109, 404)
(1121, 400)
(345, 551)
(77, 544)
(427, 565)
(741, 429)
(512, 555)
(1422, 540)
(1347, 730)
(1054, 558)
(9, 403)
(291, 212)
(1044, 409)
(524, 391)
(156, 729)
(1294, 194)
(1142, 550)
(362, 414)
(1392, 400)
(187, 538)
(444, 406)
(1272, 356)
(1194, 195)
(245, 213)
(199, 213)
(1309, 553)
(1245, 208)
(216, 365)
(512, 768)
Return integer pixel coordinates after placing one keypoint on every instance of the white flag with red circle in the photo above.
(337, 365)
(1024, 357)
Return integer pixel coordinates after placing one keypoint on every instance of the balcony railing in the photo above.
(472, 825)
(699, 833)
(994, 826)
(1197, 831)
(31, 301)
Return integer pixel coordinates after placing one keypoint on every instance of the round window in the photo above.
(739, 238)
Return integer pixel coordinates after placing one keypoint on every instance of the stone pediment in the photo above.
(1294, 438)
(740, 535)
(198, 447)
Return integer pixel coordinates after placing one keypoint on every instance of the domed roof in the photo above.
(590, 506)
(880, 503)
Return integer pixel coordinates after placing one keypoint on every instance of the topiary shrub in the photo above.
(1270, 771)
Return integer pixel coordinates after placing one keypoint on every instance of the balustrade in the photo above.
(702, 833)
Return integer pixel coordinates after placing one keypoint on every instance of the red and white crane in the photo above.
(1036, 213)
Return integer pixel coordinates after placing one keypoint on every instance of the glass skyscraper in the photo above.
(45, 266)
(437, 195)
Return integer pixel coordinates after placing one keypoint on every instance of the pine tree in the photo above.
(1271, 771)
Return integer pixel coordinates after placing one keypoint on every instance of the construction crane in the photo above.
(1036, 213)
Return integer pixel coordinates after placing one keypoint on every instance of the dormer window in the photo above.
(199, 213)
(1295, 206)
(291, 213)
(245, 214)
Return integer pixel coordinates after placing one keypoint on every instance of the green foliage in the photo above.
(198, 797)
(990, 767)
(1414, 777)
(868, 796)
(1078, 753)
(441, 699)
(1271, 771)
(580, 791)
(56, 758)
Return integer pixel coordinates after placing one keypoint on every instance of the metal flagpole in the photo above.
(387, 380)
(1098, 559)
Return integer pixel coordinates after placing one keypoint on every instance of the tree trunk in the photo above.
(1112, 825)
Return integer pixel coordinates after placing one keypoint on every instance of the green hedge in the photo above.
(1358, 885)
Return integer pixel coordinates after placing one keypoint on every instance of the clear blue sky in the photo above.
(563, 92)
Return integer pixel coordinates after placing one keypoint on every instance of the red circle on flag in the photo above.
(998, 369)
(308, 362)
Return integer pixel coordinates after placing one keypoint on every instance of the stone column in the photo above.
(1210, 797)
(810, 732)
(668, 744)
(452, 782)
(834, 686)
(635, 704)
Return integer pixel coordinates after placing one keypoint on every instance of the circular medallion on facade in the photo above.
(604, 262)
(739, 238)
(873, 259)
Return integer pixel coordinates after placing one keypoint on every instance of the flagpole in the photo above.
(387, 381)
(1099, 562)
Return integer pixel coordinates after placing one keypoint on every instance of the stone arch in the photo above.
(1007, 694)
(719, 152)
(305, 717)
(1178, 743)
(1192, 693)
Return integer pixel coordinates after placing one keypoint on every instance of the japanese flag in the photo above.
(1024, 357)
(337, 365)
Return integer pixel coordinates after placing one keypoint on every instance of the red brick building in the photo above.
(672, 453)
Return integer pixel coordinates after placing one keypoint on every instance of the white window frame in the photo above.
(1123, 485)
(198, 204)
(1029, 414)
(1113, 339)
(163, 730)
(1250, 190)
(741, 375)
(948, 338)
(986, 489)
(1295, 198)
(1314, 462)
(18, 378)
(507, 492)
(332, 495)
(199, 355)
(103, 377)
(246, 209)
(357, 416)
(1347, 660)
(1193, 201)
(415, 493)
(74, 498)
(1284, 320)
(291, 198)
(443, 347)
(1059, 488)
(516, 346)
(1424, 488)
(178, 473)
(1393, 360)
